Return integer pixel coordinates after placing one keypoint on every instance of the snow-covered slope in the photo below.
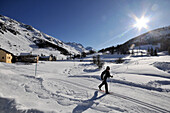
(158, 36)
(17, 37)
(154, 35)
(77, 46)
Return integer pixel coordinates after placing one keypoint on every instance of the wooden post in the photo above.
(36, 66)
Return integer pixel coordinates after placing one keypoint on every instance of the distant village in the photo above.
(8, 57)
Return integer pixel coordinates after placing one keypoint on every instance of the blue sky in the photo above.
(95, 23)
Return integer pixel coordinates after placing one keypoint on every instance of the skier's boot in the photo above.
(99, 88)
(107, 93)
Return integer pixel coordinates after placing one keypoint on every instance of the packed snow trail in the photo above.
(153, 107)
(156, 108)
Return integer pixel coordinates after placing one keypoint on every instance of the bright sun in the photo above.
(141, 23)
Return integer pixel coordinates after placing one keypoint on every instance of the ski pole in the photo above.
(36, 69)
(110, 84)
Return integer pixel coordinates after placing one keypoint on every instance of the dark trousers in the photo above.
(104, 83)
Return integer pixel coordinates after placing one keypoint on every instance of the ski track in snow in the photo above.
(66, 100)
(156, 108)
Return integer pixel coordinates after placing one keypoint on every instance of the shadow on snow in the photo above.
(91, 70)
(152, 75)
(86, 104)
(9, 106)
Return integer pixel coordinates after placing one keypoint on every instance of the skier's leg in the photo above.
(106, 87)
(101, 84)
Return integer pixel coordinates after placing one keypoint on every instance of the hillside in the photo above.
(159, 37)
(17, 38)
(77, 46)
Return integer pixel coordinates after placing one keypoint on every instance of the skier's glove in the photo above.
(111, 76)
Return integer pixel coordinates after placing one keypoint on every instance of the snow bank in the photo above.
(165, 66)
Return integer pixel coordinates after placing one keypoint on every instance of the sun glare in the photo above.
(141, 23)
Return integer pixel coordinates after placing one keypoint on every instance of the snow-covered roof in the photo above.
(6, 51)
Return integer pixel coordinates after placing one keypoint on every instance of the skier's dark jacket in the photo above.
(105, 74)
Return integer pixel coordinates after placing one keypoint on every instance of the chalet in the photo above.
(6, 56)
(46, 58)
(28, 57)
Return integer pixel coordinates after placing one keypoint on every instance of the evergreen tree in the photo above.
(169, 50)
(98, 59)
(54, 58)
(119, 60)
(77, 56)
(94, 60)
(99, 62)
(83, 54)
(92, 52)
(165, 44)
(151, 52)
(148, 52)
(112, 51)
(132, 52)
(155, 52)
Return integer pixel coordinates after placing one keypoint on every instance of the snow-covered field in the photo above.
(139, 85)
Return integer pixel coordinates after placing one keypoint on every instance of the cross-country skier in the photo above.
(104, 75)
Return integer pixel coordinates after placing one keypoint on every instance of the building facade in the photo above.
(5, 56)
(28, 57)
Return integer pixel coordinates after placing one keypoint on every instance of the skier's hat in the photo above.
(107, 68)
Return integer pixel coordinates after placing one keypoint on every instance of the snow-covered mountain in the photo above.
(89, 48)
(158, 36)
(17, 38)
(79, 47)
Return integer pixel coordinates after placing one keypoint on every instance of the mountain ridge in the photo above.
(78, 46)
(17, 37)
(157, 36)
